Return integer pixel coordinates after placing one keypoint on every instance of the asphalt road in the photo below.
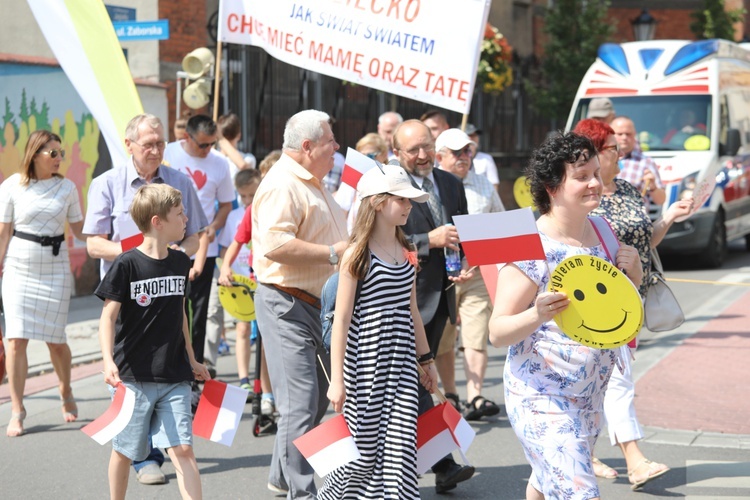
(55, 460)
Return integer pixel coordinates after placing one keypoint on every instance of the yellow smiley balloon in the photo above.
(238, 300)
(522, 193)
(605, 308)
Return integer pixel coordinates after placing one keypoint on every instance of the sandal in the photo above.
(16, 432)
(72, 415)
(454, 400)
(653, 471)
(603, 470)
(480, 407)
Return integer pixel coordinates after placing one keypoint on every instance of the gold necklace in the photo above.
(583, 236)
(395, 260)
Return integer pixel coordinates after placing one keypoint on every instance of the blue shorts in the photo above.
(162, 411)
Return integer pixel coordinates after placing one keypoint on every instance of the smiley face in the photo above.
(605, 308)
(522, 193)
(238, 300)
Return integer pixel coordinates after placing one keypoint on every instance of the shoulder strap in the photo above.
(606, 235)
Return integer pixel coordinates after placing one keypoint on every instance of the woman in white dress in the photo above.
(34, 206)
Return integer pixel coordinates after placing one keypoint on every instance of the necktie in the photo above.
(435, 208)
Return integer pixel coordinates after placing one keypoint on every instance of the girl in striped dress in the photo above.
(376, 342)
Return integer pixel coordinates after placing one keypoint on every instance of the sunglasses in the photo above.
(53, 153)
(202, 145)
(457, 154)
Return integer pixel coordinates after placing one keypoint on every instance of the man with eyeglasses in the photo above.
(196, 157)
(110, 230)
(474, 307)
(426, 227)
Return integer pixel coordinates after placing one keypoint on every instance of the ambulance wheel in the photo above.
(716, 251)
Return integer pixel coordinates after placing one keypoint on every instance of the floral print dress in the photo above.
(554, 388)
(627, 214)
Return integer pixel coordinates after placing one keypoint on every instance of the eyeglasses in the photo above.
(371, 156)
(460, 152)
(53, 153)
(613, 147)
(159, 145)
(202, 145)
(427, 148)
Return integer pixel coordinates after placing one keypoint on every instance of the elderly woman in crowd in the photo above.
(622, 205)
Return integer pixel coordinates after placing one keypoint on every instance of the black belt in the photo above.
(45, 241)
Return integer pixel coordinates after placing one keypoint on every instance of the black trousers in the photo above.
(200, 289)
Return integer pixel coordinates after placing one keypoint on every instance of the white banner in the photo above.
(427, 50)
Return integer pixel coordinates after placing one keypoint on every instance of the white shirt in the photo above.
(241, 264)
(481, 195)
(211, 178)
(485, 165)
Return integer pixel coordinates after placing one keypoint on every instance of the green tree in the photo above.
(24, 114)
(7, 118)
(42, 119)
(714, 21)
(574, 30)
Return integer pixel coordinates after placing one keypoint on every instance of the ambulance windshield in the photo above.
(664, 123)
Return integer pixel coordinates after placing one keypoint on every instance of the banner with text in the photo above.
(427, 51)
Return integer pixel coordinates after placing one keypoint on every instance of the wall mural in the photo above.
(42, 97)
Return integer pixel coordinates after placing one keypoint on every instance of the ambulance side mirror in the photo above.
(733, 143)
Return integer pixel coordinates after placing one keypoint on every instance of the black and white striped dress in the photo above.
(380, 376)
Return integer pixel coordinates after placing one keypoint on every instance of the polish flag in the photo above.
(441, 430)
(489, 275)
(499, 237)
(355, 166)
(115, 419)
(130, 235)
(219, 412)
(328, 446)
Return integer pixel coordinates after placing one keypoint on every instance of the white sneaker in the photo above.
(151, 474)
(277, 489)
(267, 407)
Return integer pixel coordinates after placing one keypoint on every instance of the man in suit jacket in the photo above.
(415, 148)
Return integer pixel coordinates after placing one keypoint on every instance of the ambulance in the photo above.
(690, 102)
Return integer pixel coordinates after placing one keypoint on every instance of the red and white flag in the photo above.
(219, 412)
(115, 419)
(440, 431)
(130, 235)
(355, 166)
(328, 446)
(499, 237)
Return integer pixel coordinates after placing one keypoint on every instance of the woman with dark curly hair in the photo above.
(554, 386)
(622, 205)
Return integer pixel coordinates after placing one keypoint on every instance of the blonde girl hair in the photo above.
(34, 146)
(362, 231)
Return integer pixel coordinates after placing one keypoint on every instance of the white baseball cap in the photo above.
(391, 179)
(454, 139)
(600, 107)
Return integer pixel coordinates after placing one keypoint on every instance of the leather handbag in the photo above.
(662, 311)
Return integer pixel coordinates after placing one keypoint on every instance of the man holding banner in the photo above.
(426, 227)
(111, 230)
(299, 234)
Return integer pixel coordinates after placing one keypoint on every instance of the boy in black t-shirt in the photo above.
(146, 344)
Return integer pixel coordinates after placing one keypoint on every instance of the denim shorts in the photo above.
(162, 411)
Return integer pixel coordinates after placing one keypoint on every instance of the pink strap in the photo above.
(607, 236)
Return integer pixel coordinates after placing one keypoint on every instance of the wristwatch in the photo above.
(333, 258)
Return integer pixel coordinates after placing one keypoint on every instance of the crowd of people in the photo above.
(161, 222)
